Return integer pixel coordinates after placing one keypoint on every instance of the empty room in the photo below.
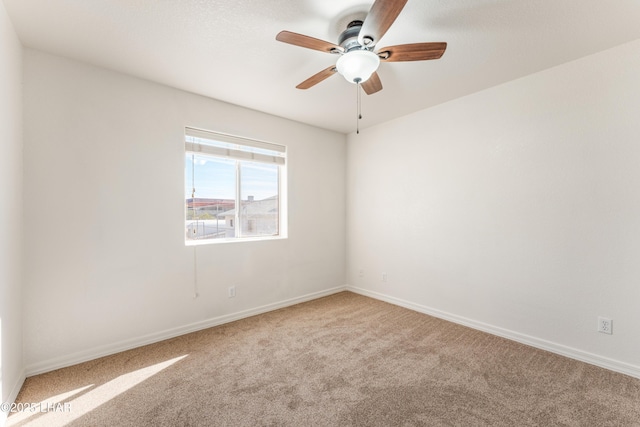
(356, 212)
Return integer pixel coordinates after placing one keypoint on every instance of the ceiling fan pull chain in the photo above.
(358, 105)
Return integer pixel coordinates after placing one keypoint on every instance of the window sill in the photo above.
(203, 242)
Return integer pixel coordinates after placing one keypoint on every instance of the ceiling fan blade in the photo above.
(308, 42)
(317, 78)
(412, 52)
(382, 14)
(373, 84)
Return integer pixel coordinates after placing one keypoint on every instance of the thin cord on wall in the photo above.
(193, 194)
(193, 208)
(195, 273)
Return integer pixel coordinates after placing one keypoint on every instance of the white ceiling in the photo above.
(226, 49)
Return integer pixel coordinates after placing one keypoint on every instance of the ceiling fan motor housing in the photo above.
(349, 37)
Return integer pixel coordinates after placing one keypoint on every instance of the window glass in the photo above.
(214, 181)
(259, 201)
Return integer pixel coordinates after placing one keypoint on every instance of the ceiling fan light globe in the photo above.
(358, 65)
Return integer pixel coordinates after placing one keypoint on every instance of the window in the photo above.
(234, 187)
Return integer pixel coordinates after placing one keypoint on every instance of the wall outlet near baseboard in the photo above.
(232, 291)
(605, 325)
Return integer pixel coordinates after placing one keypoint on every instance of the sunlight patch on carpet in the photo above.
(63, 408)
(51, 402)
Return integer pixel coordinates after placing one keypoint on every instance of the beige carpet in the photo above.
(341, 360)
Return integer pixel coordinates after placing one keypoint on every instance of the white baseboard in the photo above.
(12, 397)
(573, 353)
(94, 353)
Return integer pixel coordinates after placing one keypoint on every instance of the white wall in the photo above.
(11, 367)
(107, 267)
(515, 210)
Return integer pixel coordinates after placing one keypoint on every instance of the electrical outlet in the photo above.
(232, 291)
(361, 273)
(605, 325)
(384, 277)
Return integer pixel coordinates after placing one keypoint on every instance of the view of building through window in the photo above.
(231, 190)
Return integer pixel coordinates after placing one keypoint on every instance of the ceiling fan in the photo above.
(358, 61)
